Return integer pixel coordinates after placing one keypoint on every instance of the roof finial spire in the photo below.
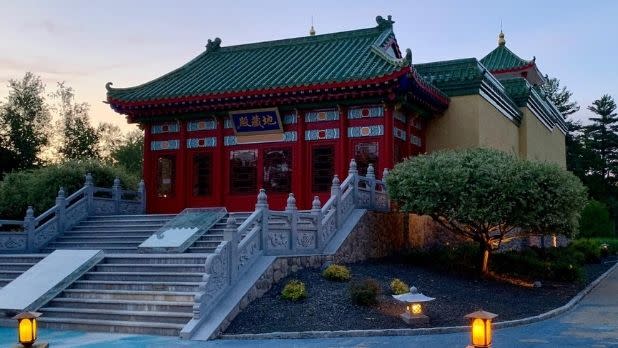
(312, 30)
(501, 40)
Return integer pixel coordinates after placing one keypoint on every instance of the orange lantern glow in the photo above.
(26, 328)
(481, 328)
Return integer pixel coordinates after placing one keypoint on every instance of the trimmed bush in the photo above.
(337, 273)
(459, 259)
(595, 220)
(365, 293)
(294, 290)
(590, 248)
(398, 287)
(39, 187)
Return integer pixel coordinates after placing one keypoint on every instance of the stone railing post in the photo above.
(89, 194)
(230, 234)
(29, 227)
(353, 171)
(141, 193)
(316, 210)
(292, 212)
(61, 205)
(371, 177)
(335, 191)
(262, 205)
(116, 195)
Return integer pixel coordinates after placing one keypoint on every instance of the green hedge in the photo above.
(595, 221)
(39, 187)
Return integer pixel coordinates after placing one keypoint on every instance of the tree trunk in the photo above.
(485, 253)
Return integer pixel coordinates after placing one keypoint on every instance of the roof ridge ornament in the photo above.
(108, 86)
(501, 40)
(213, 45)
(385, 23)
(408, 58)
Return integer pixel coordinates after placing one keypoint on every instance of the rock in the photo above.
(537, 284)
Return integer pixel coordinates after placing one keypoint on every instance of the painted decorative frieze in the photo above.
(227, 123)
(159, 145)
(195, 143)
(290, 136)
(399, 133)
(367, 131)
(416, 140)
(164, 128)
(289, 118)
(206, 124)
(229, 140)
(322, 115)
(365, 112)
(322, 134)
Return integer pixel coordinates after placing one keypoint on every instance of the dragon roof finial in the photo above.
(213, 45)
(385, 23)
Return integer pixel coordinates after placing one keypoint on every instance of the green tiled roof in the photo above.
(465, 77)
(518, 89)
(330, 58)
(501, 58)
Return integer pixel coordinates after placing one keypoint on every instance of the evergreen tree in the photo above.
(561, 97)
(24, 119)
(602, 136)
(80, 139)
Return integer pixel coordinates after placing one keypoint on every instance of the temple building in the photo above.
(287, 115)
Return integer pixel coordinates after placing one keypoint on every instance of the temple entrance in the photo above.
(322, 170)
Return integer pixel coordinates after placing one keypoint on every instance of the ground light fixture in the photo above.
(480, 328)
(414, 308)
(27, 330)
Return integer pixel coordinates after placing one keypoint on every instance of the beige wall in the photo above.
(471, 121)
(538, 143)
(457, 128)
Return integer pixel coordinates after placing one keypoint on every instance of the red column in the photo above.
(342, 148)
(219, 169)
(148, 168)
(389, 142)
(182, 176)
(409, 119)
(301, 189)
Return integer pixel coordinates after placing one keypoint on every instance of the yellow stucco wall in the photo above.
(496, 130)
(457, 128)
(538, 143)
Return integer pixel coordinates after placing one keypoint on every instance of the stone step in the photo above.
(200, 250)
(206, 243)
(125, 219)
(129, 295)
(136, 285)
(147, 231)
(149, 259)
(98, 224)
(210, 236)
(112, 326)
(116, 250)
(101, 238)
(136, 216)
(126, 226)
(150, 268)
(16, 266)
(6, 274)
(147, 277)
(102, 244)
(123, 305)
(4, 281)
(114, 315)
(22, 258)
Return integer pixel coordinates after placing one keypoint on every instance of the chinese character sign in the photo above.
(260, 121)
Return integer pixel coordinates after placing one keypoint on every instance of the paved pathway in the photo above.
(592, 323)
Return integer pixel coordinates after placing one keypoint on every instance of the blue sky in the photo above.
(88, 43)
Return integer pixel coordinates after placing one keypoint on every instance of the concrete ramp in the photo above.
(46, 279)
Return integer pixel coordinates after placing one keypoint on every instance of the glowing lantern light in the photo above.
(414, 311)
(26, 328)
(481, 328)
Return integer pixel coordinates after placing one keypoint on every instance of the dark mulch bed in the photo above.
(328, 306)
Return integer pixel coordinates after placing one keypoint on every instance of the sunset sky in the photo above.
(88, 43)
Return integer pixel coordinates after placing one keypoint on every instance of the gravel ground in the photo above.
(328, 306)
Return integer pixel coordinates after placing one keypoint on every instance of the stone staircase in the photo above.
(210, 240)
(11, 266)
(146, 294)
(111, 233)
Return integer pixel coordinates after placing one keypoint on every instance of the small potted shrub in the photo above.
(365, 293)
(337, 273)
(398, 287)
(294, 290)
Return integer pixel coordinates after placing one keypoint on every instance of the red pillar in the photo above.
(148, 168)
(389, 141)
(219, 169)
(182, 176)
(342, 148)
(300, 186)
(409, 119)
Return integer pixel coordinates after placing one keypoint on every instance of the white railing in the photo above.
(33, 233)
(290, 232)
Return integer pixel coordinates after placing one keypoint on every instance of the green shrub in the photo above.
(590, 248)
(565, 271)
(398, 287)
(595, 220)
(365, 293)
(39, 187)
(609, 246)
(557, 264)
(337, 273)
(294, 290)
(460, 259)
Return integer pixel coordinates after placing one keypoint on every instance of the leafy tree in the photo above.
(110, 137)
(561, 97)
(130, 153)
(595, 220)
(80, 138)
(24, 119)
(487, 195)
